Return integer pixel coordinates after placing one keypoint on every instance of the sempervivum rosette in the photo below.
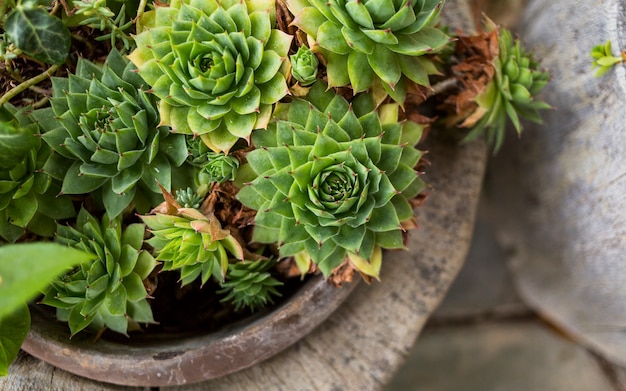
(250, 284)
(215, 65)
(108, 137)
(108, 291)
(187, 240)
(510, 93)
(334, 180)
(373, 42)
(28, 196)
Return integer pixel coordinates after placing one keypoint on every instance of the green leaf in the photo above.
(329, 37)
(361, 76)
(13, 330)
(384, 62)
(76, 183)
(22, 210)
(15, 143)
(38, 34)
(26, 269)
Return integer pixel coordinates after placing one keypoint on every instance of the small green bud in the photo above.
(511, 69)
(304, 66)
(520, 93)
(525, 77)
(219, 167)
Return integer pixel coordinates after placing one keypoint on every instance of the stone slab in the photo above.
(484, 285)
(498, 356)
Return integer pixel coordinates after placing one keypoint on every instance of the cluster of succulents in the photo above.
(224, 137)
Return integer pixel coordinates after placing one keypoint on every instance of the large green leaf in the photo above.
(38, 34)
(13, 330)
(26, 269)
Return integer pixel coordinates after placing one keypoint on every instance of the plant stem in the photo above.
(443, 86)
(27, 84)
(141, 9)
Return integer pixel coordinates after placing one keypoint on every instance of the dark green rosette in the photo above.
(334, 180)
(105, 129)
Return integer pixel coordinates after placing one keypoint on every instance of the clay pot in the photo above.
(166, 359)
(382, 319)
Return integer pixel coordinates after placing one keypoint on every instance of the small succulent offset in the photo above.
(373, 43)
(510, 93)
(212, 167)
(109, 291)
(334, 180)
(603, 58)
(187, 240)
(216, 66)
(106, 131)
(250, 284)
(188, 198)
(28, 196)
(304, 66)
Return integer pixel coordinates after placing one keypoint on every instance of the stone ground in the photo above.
(483, 337)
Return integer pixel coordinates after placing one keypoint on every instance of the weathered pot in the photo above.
(166, 359)
(359, 347)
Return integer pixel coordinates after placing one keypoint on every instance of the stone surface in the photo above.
(561, 188)
(484, 286)
(499, 356)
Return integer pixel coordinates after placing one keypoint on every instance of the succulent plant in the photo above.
(105, 129)
(373, 43)
(603, 58)
(217, 66)
(250, 284)
(510, 93)
(334, 179)
(304, 66)
(28, 196)
(193, 243)
(188, 198)
(220, 168)
(109, 291)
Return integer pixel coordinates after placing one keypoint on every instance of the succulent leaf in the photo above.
(108, 291)
(109, 134)
(331, 177)
(215, 67)
(384, 33)
(28, 196)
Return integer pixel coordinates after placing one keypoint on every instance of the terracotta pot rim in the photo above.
(191, 358)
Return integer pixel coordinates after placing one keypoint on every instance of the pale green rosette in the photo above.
(216, 66)
(376, 44)
(304, 66)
